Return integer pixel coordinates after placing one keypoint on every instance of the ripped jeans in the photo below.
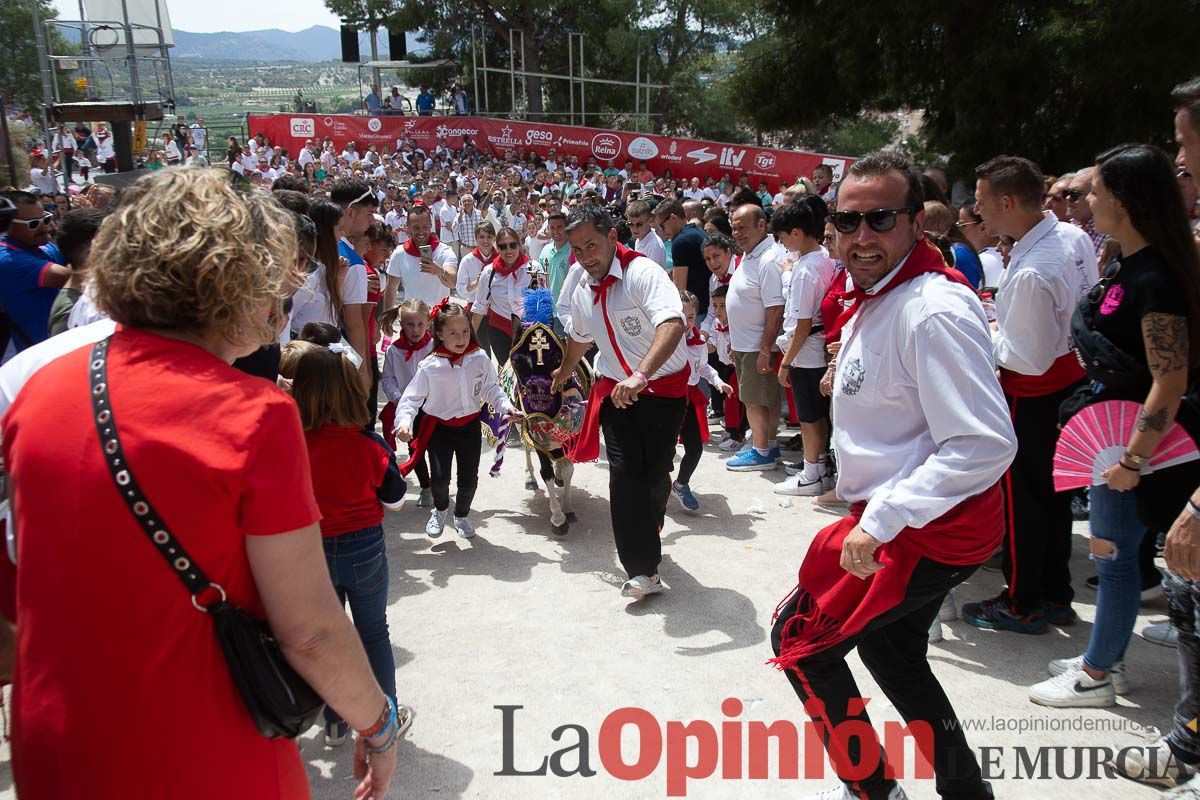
(1114, 519)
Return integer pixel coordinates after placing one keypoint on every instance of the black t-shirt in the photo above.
(687, 250)
(1144, 285)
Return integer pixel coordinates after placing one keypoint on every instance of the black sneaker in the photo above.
(995, 615)
(1060, 614)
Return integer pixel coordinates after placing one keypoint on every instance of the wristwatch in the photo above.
(1135, 459)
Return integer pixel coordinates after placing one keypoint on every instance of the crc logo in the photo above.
(643, 149)
(533, 135)
(606, 146)
(374, 124)
(764, 161)
(303, 127)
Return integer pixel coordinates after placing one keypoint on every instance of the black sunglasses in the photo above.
(1072, 194)
(881, 220)
(508, 246)
(1110, 272)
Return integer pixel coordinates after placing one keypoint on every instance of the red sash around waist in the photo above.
(425, 429)
(500, 322)
(833, 605)
(698, 405)
(1064, 372)
(587, 442)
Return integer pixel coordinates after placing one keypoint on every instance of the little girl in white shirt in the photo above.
(400, 363)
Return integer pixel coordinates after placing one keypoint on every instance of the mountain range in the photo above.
(318, 43)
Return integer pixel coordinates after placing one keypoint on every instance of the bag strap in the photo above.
(151, 523)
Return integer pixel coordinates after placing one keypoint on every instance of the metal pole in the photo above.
(49, 86)
(164, 52)
(135, 84)
(375, 57)
(571, 74)
(483, 53)
(8, 151)
(637, 84)
(512, 70)
(582, 84)
(474, 69)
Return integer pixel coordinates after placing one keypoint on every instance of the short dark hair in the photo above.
(744, 197)
(290, 182)
(669, 208)
(557, 215)
(76, 231)
(1186, 97)
(824, 168)
(306, 229)
(720, 291)
(290, 199)
(347, 191)
(1016, 177)
(637, 208)
(881, 162)
(585, 214)
(419, 209)
(719, 240)
(806, 213)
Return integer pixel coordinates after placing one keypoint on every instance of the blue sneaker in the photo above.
(686, 498)
(775, 454)
(750, 461)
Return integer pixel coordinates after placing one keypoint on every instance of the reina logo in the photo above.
(606, 146)
(764, 161)
(303, 127)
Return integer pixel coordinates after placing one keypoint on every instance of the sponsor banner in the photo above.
(686, 158)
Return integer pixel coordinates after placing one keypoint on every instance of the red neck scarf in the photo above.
(719, 328)
(924, 257)
(481, 258)
(411, 347)
(724, 280)
(625, 257)
(454, 358)
(411, 248)
(503, 269)
(695, 338)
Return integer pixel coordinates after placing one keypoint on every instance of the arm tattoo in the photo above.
(1166, 339)
(1152, 420)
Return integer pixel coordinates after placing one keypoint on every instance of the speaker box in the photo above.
(350, 45)
(397, 46)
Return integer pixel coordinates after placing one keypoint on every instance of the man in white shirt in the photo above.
(632, 312)
(646, 240)
(199, 135)
(426, 277)
(693, 191)
(448, 215)
(1038, 370)
(923, 436)
(755, 307)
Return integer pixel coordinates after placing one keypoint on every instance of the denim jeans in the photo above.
(1114, 519)
(358, 566)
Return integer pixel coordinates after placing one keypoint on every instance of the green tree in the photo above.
(1054, 80)
(20, 76)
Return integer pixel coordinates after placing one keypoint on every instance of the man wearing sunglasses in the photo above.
(923, 438)
(1050, 268)
(1079, 209)
(29, 281)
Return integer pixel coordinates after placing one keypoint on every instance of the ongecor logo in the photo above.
(303, 127)
(764, 160)
(606, 146)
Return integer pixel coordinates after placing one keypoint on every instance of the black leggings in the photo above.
(693, 448)
(500, 341)
(448, 444)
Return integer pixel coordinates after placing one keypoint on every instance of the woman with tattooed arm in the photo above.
(1138, 336)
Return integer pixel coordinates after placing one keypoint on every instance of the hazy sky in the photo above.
(206, 16)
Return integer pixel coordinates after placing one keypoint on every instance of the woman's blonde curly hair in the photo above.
(185, 251)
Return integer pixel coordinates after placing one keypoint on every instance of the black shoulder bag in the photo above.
(280, 702)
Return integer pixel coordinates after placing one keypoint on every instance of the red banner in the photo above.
(686, 158)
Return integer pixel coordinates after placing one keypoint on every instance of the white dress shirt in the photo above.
(720, 340)
(652, 247)
(642, 299)
(562, 308)
(503, 294)
(811, 276)
(399, 371)
(993, 266)
(469, 270)
(446, 390)
(448, 215)
(756, 286)
(1036, 298)
(922, 422)
(419, 284)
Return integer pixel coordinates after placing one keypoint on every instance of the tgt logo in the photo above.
(764, 161)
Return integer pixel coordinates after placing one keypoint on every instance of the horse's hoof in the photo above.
(561, 530)
(531, 486)
(571, 517)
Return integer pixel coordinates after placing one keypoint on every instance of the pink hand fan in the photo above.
(1095, 438)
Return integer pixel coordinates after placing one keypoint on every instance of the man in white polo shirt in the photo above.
(631, 310)
(430, 278)
(755, 307)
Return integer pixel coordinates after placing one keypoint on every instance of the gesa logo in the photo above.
(695, 749)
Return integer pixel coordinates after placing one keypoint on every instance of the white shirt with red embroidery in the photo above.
(642, 299)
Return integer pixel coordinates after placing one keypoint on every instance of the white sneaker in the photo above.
(729, 445)
(437, 521)
(1120, 680)
(1162, 633)
(465, 528)
(1074, 689)
(642, 586)
(1188, 791)
(842, 792)
(1154, 765)
(798, 487)
(949, 610)
(935, 632)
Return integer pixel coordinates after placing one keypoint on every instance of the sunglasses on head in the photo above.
(507, 245)
(33, 224)
(880, 220)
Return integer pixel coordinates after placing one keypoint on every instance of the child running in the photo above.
(450, 386)
(399, 366)
(695, 420)
(354, 477)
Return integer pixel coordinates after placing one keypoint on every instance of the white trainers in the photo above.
(1120, 680)
(842, 792)
(1161, 633)
(949, 610)
(1154, 765)
(729, 445)
(1188, 791)
(437, 521)
(465, 528)
(798, 487)
(642, 586)
(1074, 689)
